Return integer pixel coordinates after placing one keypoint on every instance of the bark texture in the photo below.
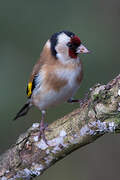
(31, 156)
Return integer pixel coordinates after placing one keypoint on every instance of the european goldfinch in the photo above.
(56, 76)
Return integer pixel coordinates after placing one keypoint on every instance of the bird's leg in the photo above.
(81, 101)
(75, 101)
(43, 126)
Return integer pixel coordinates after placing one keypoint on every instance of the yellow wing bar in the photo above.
(29, 89)
(31, 86)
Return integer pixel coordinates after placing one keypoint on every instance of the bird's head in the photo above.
(66, 45)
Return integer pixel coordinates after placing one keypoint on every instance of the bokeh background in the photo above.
(24, 28)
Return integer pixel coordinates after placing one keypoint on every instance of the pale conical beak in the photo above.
(82, 49)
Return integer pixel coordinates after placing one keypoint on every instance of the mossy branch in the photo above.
(99, 114)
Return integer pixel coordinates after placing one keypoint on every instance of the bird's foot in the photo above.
(80, 101)
(43, 128)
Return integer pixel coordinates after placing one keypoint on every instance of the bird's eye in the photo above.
(69, 44)
(72, 46)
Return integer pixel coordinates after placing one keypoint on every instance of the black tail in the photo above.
(23, 111)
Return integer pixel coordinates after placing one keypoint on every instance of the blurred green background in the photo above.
(24, 28)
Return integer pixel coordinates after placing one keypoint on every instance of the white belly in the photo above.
(52, 97)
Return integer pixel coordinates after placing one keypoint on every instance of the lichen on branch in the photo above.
(31, 156)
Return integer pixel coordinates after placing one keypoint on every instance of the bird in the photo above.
(56, 76)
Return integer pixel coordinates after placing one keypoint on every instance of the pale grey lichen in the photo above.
(36, 138)
(33, 164)
(111, 126)
(3, 178)
(48, 159)
(55, 149)
(95, 127)
(35, 125)
(86, 130)
(47, 151)
(101, 126)
(53, 142)
(7, 171)
(119, 106)
(119, 92)
(28, 173)
(37, 169)
(91, 114)
(101, 109)
(58, 140)
(42, 145)
(11, 179)
(98, 89)
(75, 139)
(63, 133)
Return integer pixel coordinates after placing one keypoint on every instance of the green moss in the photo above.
(103, 96)
(96, 97)
(117, 121)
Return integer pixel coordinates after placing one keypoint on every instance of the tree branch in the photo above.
(99, 114)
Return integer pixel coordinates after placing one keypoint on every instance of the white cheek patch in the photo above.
(63, 39)
(61, 47)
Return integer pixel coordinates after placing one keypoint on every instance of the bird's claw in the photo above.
(43, 128)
